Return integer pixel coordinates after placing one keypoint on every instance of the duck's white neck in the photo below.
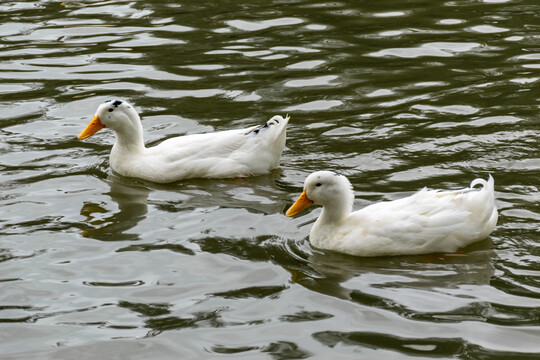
(129, 136)
(334, 213)
(336, 209)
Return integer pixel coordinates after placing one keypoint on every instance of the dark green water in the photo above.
(396, 95)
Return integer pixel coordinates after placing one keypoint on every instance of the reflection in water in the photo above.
(374, 281)
(471, 266)
(437, 347)
(380, 281)
(132, 208)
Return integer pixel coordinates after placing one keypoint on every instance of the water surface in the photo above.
(396, 95)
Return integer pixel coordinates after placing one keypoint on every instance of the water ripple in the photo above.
(395, 97)
(437, 49)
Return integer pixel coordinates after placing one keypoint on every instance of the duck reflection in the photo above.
(329, 272)
(102, 224)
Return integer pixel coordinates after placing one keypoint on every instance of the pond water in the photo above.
(397, 95)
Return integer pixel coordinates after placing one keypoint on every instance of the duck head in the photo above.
(328, 189)
(118, 115)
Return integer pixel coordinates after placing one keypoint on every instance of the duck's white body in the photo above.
(225, 154)
(426, 222)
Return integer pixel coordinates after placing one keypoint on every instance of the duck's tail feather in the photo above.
(482, 206)
(277, 120)
(488, 185)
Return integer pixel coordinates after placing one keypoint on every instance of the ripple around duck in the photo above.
(258, 292)
(262, 25)
(317, 105)
(437, 49)
(121, 283)
(409, 346)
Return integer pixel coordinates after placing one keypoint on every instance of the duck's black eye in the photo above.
(318, 184)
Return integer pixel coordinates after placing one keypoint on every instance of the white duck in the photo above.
(225, 154)
(426, 222)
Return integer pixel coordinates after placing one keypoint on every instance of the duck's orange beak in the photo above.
(92, 128)
(300, 204)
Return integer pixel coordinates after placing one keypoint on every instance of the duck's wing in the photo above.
(428, 221)
(208, 145)
(403, 227)
(231, 153)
